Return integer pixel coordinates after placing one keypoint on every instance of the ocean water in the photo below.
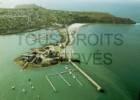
(120, 79)
(15, 82)
(125, 57)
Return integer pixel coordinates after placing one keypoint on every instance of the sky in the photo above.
(58, 3)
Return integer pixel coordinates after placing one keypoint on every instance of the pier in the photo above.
(99, 88)
(50, 82)
(64, 80)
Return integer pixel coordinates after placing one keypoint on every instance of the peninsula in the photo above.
(24, 18)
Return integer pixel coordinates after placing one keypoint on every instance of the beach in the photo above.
(73, 30)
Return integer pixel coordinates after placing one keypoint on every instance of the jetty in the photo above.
(99, 88)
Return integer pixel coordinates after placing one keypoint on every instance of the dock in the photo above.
(64, 80)
(98, 87)
(50, 82)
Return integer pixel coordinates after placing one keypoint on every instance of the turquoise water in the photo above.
(125, 58)
(119, 80)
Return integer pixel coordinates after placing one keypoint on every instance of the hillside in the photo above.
(32, 17)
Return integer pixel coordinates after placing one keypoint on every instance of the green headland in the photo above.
(31, 17)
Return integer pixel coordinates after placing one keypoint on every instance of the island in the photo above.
(30, 17)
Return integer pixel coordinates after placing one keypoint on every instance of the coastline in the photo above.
(61, 47)
(73, 29)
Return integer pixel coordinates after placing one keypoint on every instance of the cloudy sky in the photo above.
(57, 3)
